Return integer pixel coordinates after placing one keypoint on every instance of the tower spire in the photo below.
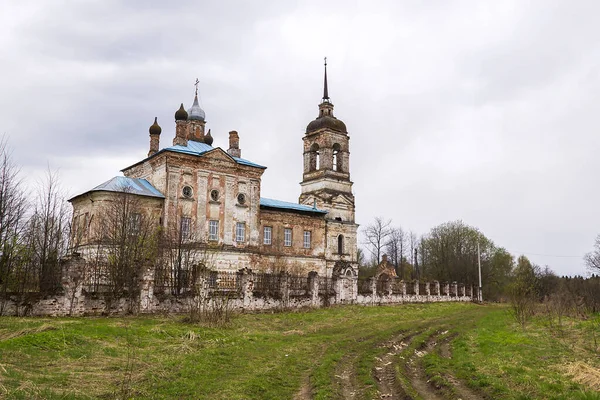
(325, 91)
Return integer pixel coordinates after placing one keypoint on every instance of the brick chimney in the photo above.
(234, 145)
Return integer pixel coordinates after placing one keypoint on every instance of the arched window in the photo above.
(340, 244)
(317, 160)
(337, 159)
(314, 157)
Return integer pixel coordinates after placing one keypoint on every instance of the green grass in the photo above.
(270, 356)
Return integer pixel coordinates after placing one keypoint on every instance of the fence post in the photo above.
(373, 282)
(73, 277)
(146, 287)
(427, 289)
(446, 289)
(403, 287)
(246, 279)
(437, 287)
(388, 287)
(417, 287)
(455, 289)
(461, 290)
(284, 289)
(313, 288)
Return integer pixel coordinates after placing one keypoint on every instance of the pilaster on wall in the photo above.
(338, 288)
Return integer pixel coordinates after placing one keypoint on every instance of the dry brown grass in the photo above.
(27, 331)
(584, 374)
(293, 332)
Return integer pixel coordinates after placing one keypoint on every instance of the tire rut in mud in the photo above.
(384, 372)
(305, 392)
(453, 387)
(346, 378)
(416, 374)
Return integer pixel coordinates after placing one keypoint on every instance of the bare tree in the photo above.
(376, 235)
(13, 209)
(130, 238)
(48, 230)
(412, 247)
(592, 259)
(183, 251)
(395, 248)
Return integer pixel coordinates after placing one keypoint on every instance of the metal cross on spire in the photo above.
(196, 84)
(325, 91)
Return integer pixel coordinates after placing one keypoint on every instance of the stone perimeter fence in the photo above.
(244, 290)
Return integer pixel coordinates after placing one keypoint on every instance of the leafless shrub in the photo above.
(523, 291)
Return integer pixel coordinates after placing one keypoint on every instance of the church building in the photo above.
(213, 197)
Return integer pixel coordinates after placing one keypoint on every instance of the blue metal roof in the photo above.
(197, 149)
(131, 185)
(264, 202)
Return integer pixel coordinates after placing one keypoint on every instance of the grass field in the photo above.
(433, 351)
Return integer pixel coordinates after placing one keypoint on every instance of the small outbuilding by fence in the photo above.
(244, 290)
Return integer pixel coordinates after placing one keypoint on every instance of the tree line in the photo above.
(449, 252)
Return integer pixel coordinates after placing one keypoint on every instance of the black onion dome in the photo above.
(181, 114)
(326, 121)
(155, 129)
(208, 139)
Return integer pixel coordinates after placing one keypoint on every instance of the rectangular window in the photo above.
(307, 239)
(240, 232)
(186, 224)
(213, 230)
(287, 237)
(267, 231)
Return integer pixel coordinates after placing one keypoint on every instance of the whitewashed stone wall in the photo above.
(319, 291)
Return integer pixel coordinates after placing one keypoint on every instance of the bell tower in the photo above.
(326, 177)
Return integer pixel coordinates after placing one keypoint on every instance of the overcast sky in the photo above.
(481, 111)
